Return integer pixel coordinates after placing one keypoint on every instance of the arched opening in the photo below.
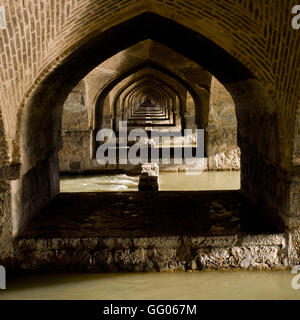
(200, 99)
(44, 111)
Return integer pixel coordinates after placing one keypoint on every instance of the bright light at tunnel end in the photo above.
(187, 148)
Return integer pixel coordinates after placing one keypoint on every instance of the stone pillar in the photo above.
(188, 120)
(149, 177)
(7, 174)
(107, 121)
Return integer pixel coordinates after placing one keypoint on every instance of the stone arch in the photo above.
(167, 86)
(145, 79)
(143, 52)
(201, 102)
(39, 153)
(138, 87)
(140, 91)
(246, 43)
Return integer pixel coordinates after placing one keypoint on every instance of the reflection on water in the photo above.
(194, 180)
(110, 183)
(194, 285)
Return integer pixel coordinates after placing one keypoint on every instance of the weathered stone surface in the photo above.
(148, 183)
(6, 241)
(145, 254)
(294, 247)
(146, 239)
(33, 191)
(10, 172)
(222, 149)
(150, 169)
(149, 177)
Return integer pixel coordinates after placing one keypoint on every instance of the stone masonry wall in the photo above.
(74, 155)
(222, 150)
(6, 249)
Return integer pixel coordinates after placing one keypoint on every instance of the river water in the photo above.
(171, 285)
(178, 285)
(181, 181)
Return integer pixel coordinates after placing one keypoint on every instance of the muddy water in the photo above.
(181, 181)
(195, 285)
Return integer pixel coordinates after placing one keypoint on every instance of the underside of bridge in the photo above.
(72, 69)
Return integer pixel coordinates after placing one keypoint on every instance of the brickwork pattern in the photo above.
(40, 34)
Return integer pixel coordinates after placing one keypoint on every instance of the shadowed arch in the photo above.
(140, 79)
(138, 88)
(145, 26)
(42, 114)
(201, 104)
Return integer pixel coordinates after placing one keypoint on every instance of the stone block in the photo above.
(10, 172)
(149, 177)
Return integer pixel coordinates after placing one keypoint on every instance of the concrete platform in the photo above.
(150, 231)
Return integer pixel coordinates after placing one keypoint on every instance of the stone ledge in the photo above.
(151, 242)
(151, 254)
(158, 231)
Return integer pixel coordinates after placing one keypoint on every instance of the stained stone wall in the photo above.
(74, 155)
(6, 247)
(4, 161)
(30, 193)
(222, 150)
(75, 115)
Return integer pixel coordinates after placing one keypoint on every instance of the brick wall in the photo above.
(40, 34)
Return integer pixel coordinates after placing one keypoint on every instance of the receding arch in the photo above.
(42, 113)
(201, 103)
(103, 94)
(137, 89)
(139, 79)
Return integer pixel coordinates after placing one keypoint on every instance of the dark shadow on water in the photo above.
(147, 214)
